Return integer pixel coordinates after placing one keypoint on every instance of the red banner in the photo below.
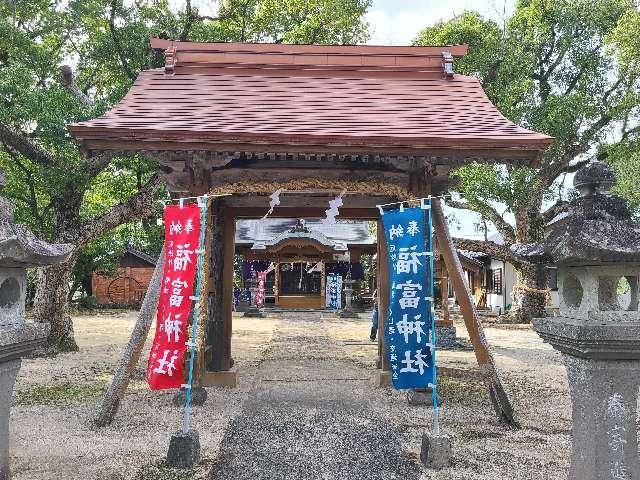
(181, 243)
(260, 289)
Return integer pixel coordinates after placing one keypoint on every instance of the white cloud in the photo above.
(397, 22)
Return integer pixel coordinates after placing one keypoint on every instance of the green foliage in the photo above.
(288, 21)
(88, 303)
(624, 157)
(566, 68)
(484, 36)
(486, 185)
(107, 43)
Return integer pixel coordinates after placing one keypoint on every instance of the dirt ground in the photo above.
(52, 436)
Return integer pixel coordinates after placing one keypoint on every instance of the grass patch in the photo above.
(462, 391)
(56, 394)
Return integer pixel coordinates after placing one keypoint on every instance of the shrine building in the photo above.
(301, 253)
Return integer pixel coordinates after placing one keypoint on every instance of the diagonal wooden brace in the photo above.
(487, 366)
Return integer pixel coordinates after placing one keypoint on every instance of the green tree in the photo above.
(67, 197)
(565, 68)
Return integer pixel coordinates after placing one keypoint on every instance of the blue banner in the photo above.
(334, 291)
(409, 324)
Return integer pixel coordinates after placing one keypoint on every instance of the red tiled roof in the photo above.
(312, 95)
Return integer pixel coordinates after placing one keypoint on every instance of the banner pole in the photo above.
(196, 314)
(436, 422)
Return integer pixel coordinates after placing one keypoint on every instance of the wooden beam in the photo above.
(488, 369)
(306, 212)
(487, 150)
(306, 200)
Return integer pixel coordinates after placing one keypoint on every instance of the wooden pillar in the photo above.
(384, 374)
(323, 285)
(488, 370)
(227, 290)
(445, 321)
(204, 349)
(276, 299)
(220, 290)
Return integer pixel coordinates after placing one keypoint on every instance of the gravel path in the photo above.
(305, 407)
(311, 414)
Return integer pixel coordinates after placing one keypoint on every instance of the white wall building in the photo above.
(500, 277)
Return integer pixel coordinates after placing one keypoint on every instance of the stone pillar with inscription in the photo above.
(597, 251)
(19, 249)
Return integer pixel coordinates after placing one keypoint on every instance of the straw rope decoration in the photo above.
(384, 188)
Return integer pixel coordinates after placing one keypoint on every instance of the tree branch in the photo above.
(505, 229)
(69, 83)
(191, 18)
(574, 81)
(557, 208)
(501, 252)
(140, 205)
(96, 164)
(26, 146)
(117, 44)
(32, 199)
(573, 168)
(627, 132)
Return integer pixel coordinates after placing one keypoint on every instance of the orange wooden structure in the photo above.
(384, 123)
(128, 284)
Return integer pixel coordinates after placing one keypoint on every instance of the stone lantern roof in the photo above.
(19, 247)
(599, 229)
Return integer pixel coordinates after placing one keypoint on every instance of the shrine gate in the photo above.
(383, 123)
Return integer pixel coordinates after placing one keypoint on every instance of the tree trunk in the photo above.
(112, 397)
(529, 299)
(51, 306)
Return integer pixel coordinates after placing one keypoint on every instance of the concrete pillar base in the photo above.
(383, 378)
(227, 378)
(184, 450)
(198, 397)
(422, 397)
(436, 451)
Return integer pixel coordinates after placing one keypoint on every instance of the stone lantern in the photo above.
(596, 249)
(348, 310)
(19, 249)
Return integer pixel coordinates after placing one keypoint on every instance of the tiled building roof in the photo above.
(349, 232)
(310, 96)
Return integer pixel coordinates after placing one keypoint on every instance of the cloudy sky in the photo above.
(397, 22)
